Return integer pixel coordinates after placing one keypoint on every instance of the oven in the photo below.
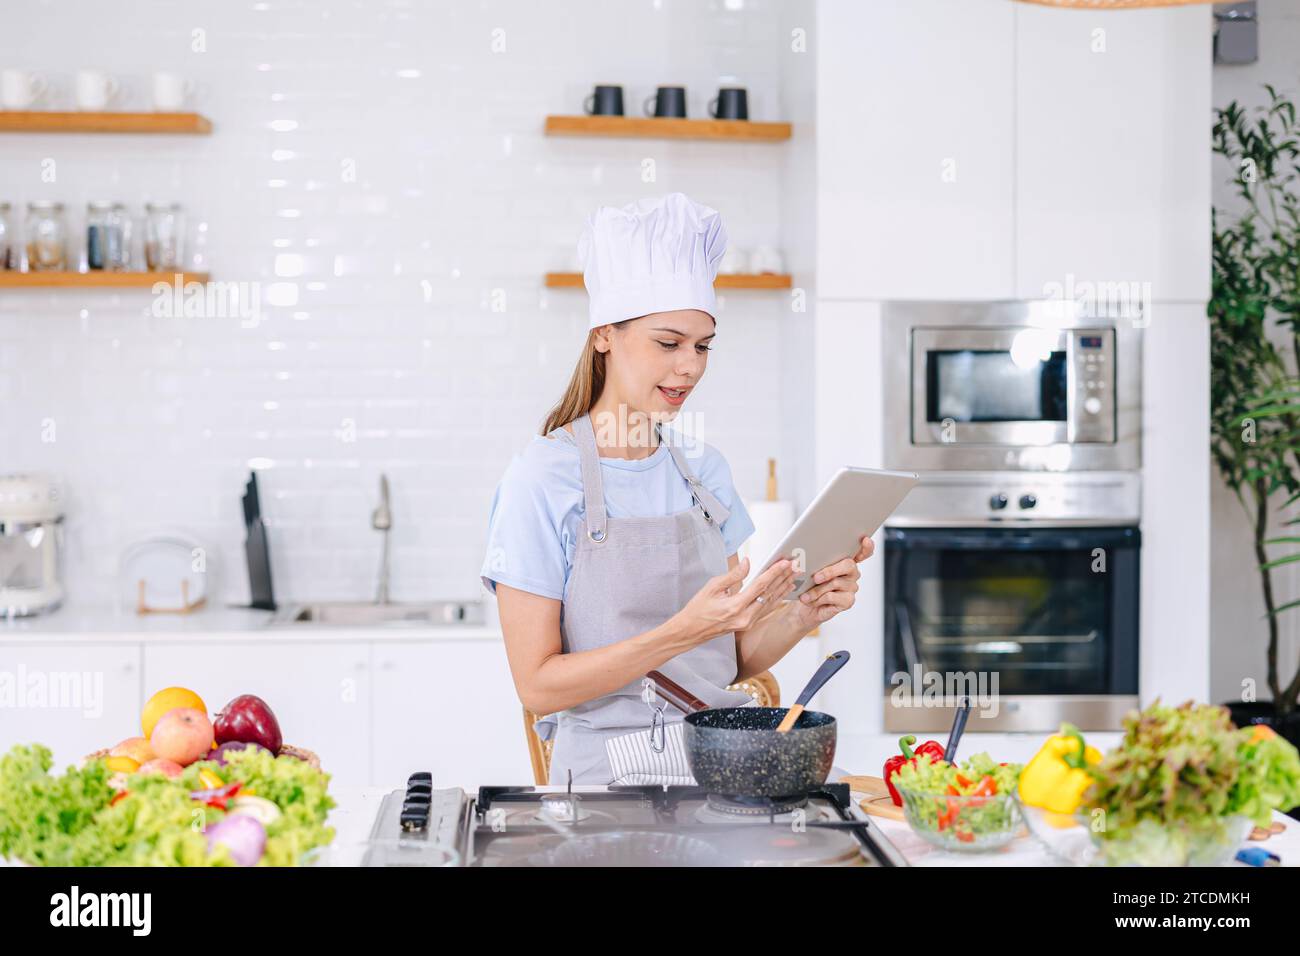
(1011, 385)
(1019, 591)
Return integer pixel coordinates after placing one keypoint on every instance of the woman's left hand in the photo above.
(834, 589)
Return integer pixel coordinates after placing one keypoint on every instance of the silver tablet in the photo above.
(855, 502)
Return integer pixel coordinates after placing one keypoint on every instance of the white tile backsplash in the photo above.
(382, 174)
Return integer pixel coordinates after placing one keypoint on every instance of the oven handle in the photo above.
(986, 539)
(910, 649)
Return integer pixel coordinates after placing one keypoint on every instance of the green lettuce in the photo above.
(70, 819)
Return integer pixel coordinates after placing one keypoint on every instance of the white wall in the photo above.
(378, 292)
(1239, 631)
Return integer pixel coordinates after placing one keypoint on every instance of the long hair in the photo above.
(585, 385)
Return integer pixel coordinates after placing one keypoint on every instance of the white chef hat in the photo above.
(652, 255)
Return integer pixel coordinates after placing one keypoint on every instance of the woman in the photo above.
(609, 552)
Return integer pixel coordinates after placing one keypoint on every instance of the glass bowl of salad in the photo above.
(1077, 840)
(968, 808)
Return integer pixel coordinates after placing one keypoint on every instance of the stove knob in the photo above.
(998, 502)
(1027, 502)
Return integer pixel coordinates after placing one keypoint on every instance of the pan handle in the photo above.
(675, 693)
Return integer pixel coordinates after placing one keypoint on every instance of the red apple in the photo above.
(248, 719)
(183, 734)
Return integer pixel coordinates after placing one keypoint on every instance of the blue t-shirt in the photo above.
(538, 507)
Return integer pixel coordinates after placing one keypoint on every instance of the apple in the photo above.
(168, 768)
(183, 735)
(248, 719)
(137, 748)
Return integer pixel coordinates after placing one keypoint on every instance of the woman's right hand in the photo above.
(717, 609)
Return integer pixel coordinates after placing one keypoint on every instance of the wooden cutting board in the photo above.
(877, 802)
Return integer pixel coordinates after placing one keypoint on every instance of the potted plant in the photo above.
(1255, 360)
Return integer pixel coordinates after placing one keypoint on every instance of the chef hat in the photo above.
(652, 255)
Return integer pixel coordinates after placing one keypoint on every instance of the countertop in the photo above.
(107, 624)
(857, 754)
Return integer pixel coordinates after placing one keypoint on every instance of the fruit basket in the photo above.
(286, 750)
(137, 803)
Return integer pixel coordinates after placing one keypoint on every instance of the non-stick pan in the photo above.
(737, 751)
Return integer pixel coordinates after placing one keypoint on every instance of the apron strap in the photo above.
(593, 491)
(714, 510)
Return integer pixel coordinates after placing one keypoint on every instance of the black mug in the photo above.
(606, 101)
(731, 103)
(669, 101)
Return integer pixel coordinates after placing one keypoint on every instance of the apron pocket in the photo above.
(632, 761)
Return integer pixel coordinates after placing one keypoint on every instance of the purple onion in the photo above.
(219, 755)
(243, 836)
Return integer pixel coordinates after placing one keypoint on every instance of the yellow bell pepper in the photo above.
(1057, 777)
(209, 779)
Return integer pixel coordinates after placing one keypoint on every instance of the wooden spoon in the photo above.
(824, 673)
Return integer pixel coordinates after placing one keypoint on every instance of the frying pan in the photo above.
(738, 751)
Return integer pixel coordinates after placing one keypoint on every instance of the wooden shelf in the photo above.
(766, 280)
(638, 126)
(94, 280)
(76, 121)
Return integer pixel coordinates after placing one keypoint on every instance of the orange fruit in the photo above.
(122, 764)
(169, 698)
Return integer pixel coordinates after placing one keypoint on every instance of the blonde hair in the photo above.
(585, 385)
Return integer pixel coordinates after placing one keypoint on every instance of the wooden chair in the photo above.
(762, 687)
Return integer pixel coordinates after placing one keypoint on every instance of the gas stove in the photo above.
(629, 826)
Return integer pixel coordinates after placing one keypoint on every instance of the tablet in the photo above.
(855, 502)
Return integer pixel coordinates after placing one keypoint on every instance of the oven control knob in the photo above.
(1092, 405)
(998, 502)
(1028, 501)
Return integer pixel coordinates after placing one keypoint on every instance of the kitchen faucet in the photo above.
(382, 520)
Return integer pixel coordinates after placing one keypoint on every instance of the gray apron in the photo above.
(630, 575)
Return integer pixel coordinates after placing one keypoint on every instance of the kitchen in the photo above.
(942, 215)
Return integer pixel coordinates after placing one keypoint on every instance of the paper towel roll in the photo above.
(772, 519)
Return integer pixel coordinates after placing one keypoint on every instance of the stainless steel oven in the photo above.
(1037, 386)
(1019, 590)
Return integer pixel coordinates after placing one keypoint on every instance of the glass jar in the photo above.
(108, 233)
(120, 219)
(162, 236)
(47, 237)
(8, 247)
(98, 239)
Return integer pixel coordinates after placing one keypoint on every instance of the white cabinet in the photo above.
(320, 692)
(1112, 149)
(72, 697)
(448, 707)
(915, 144)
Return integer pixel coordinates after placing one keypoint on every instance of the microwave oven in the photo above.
(1011, 386)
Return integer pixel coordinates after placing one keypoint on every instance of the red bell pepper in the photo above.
(217, 797)
(932, 748)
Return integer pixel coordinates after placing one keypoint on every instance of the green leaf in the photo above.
(1289, 559)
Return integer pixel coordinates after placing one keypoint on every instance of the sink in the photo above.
(368, 613)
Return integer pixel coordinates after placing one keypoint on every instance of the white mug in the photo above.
(734, 262)
(170, 92)
(95, 89)
(766, 259)
(19, 89)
